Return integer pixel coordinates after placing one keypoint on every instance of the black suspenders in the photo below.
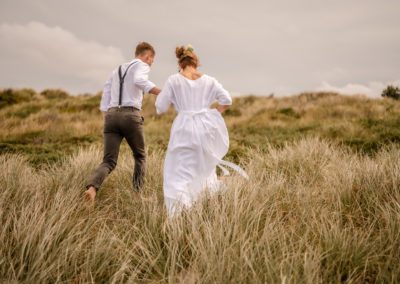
(121, 81)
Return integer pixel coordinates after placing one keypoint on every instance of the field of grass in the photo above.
(322, 204)
(47, 126)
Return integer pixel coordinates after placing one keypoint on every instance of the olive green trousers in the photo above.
(120, 123)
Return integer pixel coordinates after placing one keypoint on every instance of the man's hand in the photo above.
(155, 91)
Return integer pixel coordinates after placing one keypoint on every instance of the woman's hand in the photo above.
(222, 108)
(155, 91)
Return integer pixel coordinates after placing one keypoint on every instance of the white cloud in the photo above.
(372, 89)
(55, 53)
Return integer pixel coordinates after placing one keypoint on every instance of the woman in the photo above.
(199, 138)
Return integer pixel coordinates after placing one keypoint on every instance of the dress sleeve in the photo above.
(106, 97)
(222, 96)
(163, 100)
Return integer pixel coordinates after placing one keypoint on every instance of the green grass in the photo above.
(58, 122)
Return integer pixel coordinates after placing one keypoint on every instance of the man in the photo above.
(121, 103)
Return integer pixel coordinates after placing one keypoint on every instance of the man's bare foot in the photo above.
(90, 194)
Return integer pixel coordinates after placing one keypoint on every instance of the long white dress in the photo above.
(198, 141)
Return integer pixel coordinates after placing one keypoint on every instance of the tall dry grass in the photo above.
(312, 212)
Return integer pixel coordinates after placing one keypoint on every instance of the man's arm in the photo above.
(106, 97)
(142, 81)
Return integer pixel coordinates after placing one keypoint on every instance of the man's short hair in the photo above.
(142, 47)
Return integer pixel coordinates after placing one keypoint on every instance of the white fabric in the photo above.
(136, 81)
(198, 141)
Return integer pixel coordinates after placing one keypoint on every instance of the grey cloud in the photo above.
(36, 50)
(250, 46)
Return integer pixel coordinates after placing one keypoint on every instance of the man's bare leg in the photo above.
(90, 193)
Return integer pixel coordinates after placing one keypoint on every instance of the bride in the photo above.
(199, 137)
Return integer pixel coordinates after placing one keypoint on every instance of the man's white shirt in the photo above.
(136, 82)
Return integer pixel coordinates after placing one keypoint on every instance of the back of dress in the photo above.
(198, 141)
(191, 95)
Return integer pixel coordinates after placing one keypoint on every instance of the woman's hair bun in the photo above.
(186, 56)
(179, 51)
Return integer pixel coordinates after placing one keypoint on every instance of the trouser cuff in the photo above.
(89, 185)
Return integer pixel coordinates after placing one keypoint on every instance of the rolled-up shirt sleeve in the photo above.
(222, 96)
(163, 100)
(106, 96)
(141, 79)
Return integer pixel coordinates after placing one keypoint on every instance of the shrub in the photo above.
(54, 94)
(289, 112)
(10, 96)
(26, 111)
(233, 112)
(391, 92)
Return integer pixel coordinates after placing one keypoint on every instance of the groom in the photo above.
(121, 104)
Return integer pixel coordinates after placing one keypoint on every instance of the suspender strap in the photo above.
(121, 81)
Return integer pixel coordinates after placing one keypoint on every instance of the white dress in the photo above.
(198, 141)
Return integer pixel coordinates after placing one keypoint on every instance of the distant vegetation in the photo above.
(49, 125)
(391, 92)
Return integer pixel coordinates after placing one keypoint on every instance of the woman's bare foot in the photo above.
(223, 178)
(90, 194)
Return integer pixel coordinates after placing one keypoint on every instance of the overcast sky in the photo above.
(261, 47)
